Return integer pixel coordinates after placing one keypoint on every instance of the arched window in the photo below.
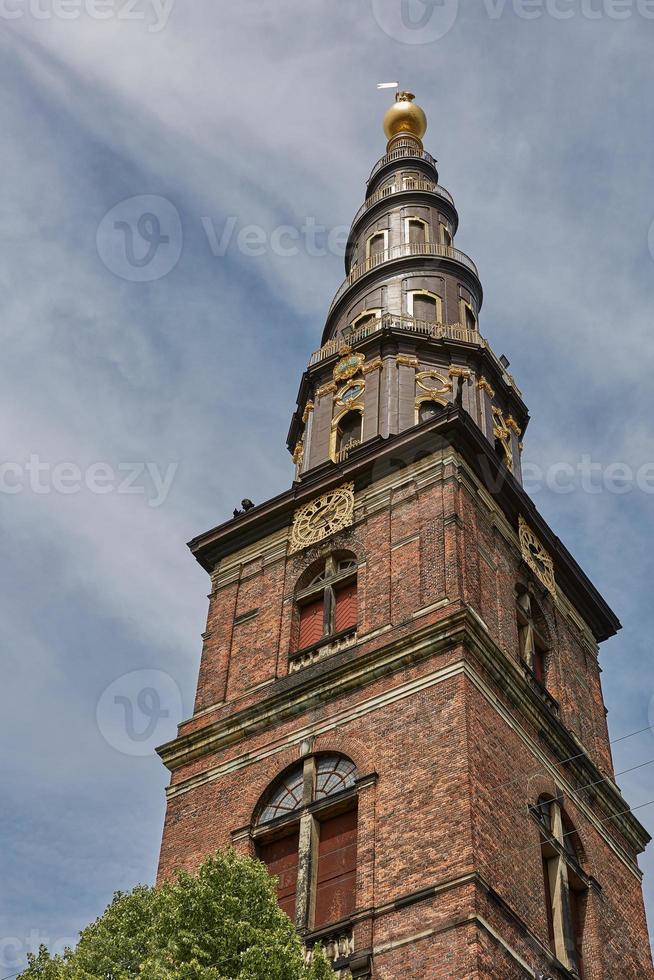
(416, 231)
(410, 179)
(446, 236)
(376, 246)
(346, 434)
(563, 882)
(423, 305)
(467, 316)
(306, 835)
(533, 636)
(367, 318)
(428, 410)
(328, 605)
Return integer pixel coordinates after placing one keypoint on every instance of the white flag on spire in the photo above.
(388, 85)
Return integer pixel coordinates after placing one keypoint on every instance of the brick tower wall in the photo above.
(445, 727)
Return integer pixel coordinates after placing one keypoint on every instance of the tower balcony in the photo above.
(406, 250)
(403, 185)
(406, 151)
(405, 324)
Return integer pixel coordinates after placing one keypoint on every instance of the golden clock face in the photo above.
(538, 559)
(322, 517)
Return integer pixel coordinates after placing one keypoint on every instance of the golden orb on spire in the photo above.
(404, 116)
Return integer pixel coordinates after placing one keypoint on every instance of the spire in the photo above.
(404, 119)
(401, 340)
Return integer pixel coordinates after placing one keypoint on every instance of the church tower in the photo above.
(399, 706)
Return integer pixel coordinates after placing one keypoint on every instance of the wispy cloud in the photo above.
(254, 111)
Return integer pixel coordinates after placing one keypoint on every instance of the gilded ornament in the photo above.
(351, 394)
(538, 559)
(405, 116)
(374, 365)
(407, 360)
(322, 517)
(327, 389)
(485, 386)
(348, 366)
(503, 435)
(440, 387)
(308, 409)
(459, 372)
(298, 452)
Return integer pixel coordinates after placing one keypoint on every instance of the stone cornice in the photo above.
(353, 669)
(452, 427)
(479, 356)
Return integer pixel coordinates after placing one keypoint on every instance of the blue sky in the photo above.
(266, 113)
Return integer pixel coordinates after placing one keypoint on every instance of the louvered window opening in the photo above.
(333, 607)
(311, 811)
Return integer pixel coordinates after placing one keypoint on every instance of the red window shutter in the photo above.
(311, 623)
(346, 614)
(281, 859)
(337, 862)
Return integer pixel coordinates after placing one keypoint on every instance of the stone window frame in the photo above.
(445, 234)
(376, 311)
(407, 227)
(563, 876)
(306, 819)
(465, 306)
(334, 450)
(375, 234)
(412, 293)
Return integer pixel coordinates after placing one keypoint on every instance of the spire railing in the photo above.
(422, 328)
(399, 154)
(406, 250)
(407, 184)
(407, 324)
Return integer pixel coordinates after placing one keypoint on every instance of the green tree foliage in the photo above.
(222, 924)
